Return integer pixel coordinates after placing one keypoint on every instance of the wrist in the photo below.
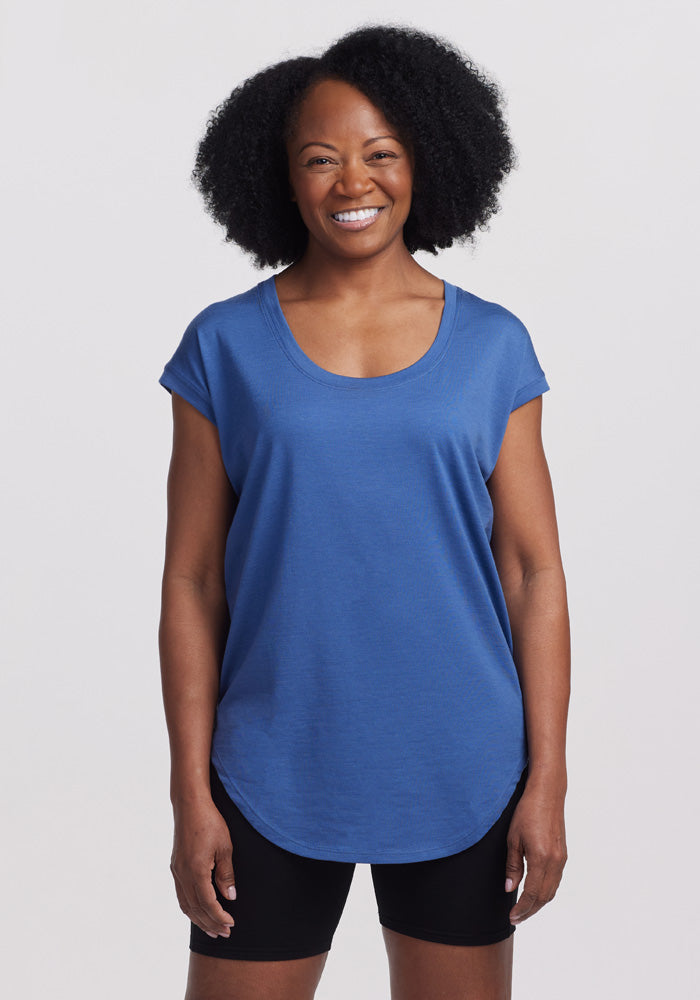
(186, 792)
(184, 805)
(548, 774)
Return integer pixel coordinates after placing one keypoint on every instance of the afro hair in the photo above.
(444, 107)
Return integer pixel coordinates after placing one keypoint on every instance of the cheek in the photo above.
(402, 182)
(312, 186)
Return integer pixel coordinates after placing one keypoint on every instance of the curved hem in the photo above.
(366, 857)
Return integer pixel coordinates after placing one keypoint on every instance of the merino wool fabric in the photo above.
(369, 707)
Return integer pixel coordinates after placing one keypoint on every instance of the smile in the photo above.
(359, 219)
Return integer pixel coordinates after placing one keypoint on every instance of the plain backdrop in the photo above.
(108, 254)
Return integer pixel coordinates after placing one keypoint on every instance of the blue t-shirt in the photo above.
(369, 706)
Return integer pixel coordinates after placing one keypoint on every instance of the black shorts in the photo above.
(288, 906)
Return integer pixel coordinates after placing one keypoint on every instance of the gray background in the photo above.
(107, 256)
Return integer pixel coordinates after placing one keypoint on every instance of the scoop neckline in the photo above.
(271, 306)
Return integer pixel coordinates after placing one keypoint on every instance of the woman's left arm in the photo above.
(525, 545)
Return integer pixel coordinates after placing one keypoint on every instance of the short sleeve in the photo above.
(531, 378)
(185, 373)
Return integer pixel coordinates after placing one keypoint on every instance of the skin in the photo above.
(357, 302)
(345, 300)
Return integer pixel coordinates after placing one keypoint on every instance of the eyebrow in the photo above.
(327, 145)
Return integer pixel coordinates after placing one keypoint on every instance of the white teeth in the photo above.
(363, 213)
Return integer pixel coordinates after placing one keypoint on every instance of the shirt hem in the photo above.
(367, 857)
(536, 387)
(173, 380)
(221, 948)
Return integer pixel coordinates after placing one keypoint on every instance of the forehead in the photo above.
(333, 106)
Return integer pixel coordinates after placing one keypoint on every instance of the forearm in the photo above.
(539, 618)
(191, 637)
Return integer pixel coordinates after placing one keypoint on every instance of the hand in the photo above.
(202, 842)
(536, 832)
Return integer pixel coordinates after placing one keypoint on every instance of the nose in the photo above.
(354, 179)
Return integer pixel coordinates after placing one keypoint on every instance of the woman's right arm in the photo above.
(192, 635)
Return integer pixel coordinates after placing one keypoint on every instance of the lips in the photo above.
(357, 223)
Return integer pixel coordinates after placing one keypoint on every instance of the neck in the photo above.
(319, 274)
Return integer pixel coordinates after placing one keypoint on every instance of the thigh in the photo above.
(287, 906)
(455, 900)
(420, 969)
(238, 979)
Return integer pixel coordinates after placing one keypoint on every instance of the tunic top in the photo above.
(369, 707)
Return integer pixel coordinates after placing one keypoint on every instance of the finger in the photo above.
(190, 904)
(552, 880)
(529, 901)
(542, 887)
(182, 899)
(205, 899)
(224, 875)
(189, 908)
(515, 867)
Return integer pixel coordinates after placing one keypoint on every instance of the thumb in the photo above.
(515, 868)
(224, 876)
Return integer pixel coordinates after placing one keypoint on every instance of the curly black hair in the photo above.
(445, 108)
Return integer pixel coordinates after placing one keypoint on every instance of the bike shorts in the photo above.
(289, 906)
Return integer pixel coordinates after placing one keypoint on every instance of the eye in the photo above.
(390, 155)
(317, 159)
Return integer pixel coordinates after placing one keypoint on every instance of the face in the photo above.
(345, 157)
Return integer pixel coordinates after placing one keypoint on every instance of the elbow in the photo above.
(530, 577)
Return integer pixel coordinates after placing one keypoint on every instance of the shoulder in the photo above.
(491, 320)
(491, 314)
(227, 315)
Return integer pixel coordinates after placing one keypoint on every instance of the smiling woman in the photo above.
(363, 181)
(364, 629)
(433, 96)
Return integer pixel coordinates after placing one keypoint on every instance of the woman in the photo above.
(364, 633)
